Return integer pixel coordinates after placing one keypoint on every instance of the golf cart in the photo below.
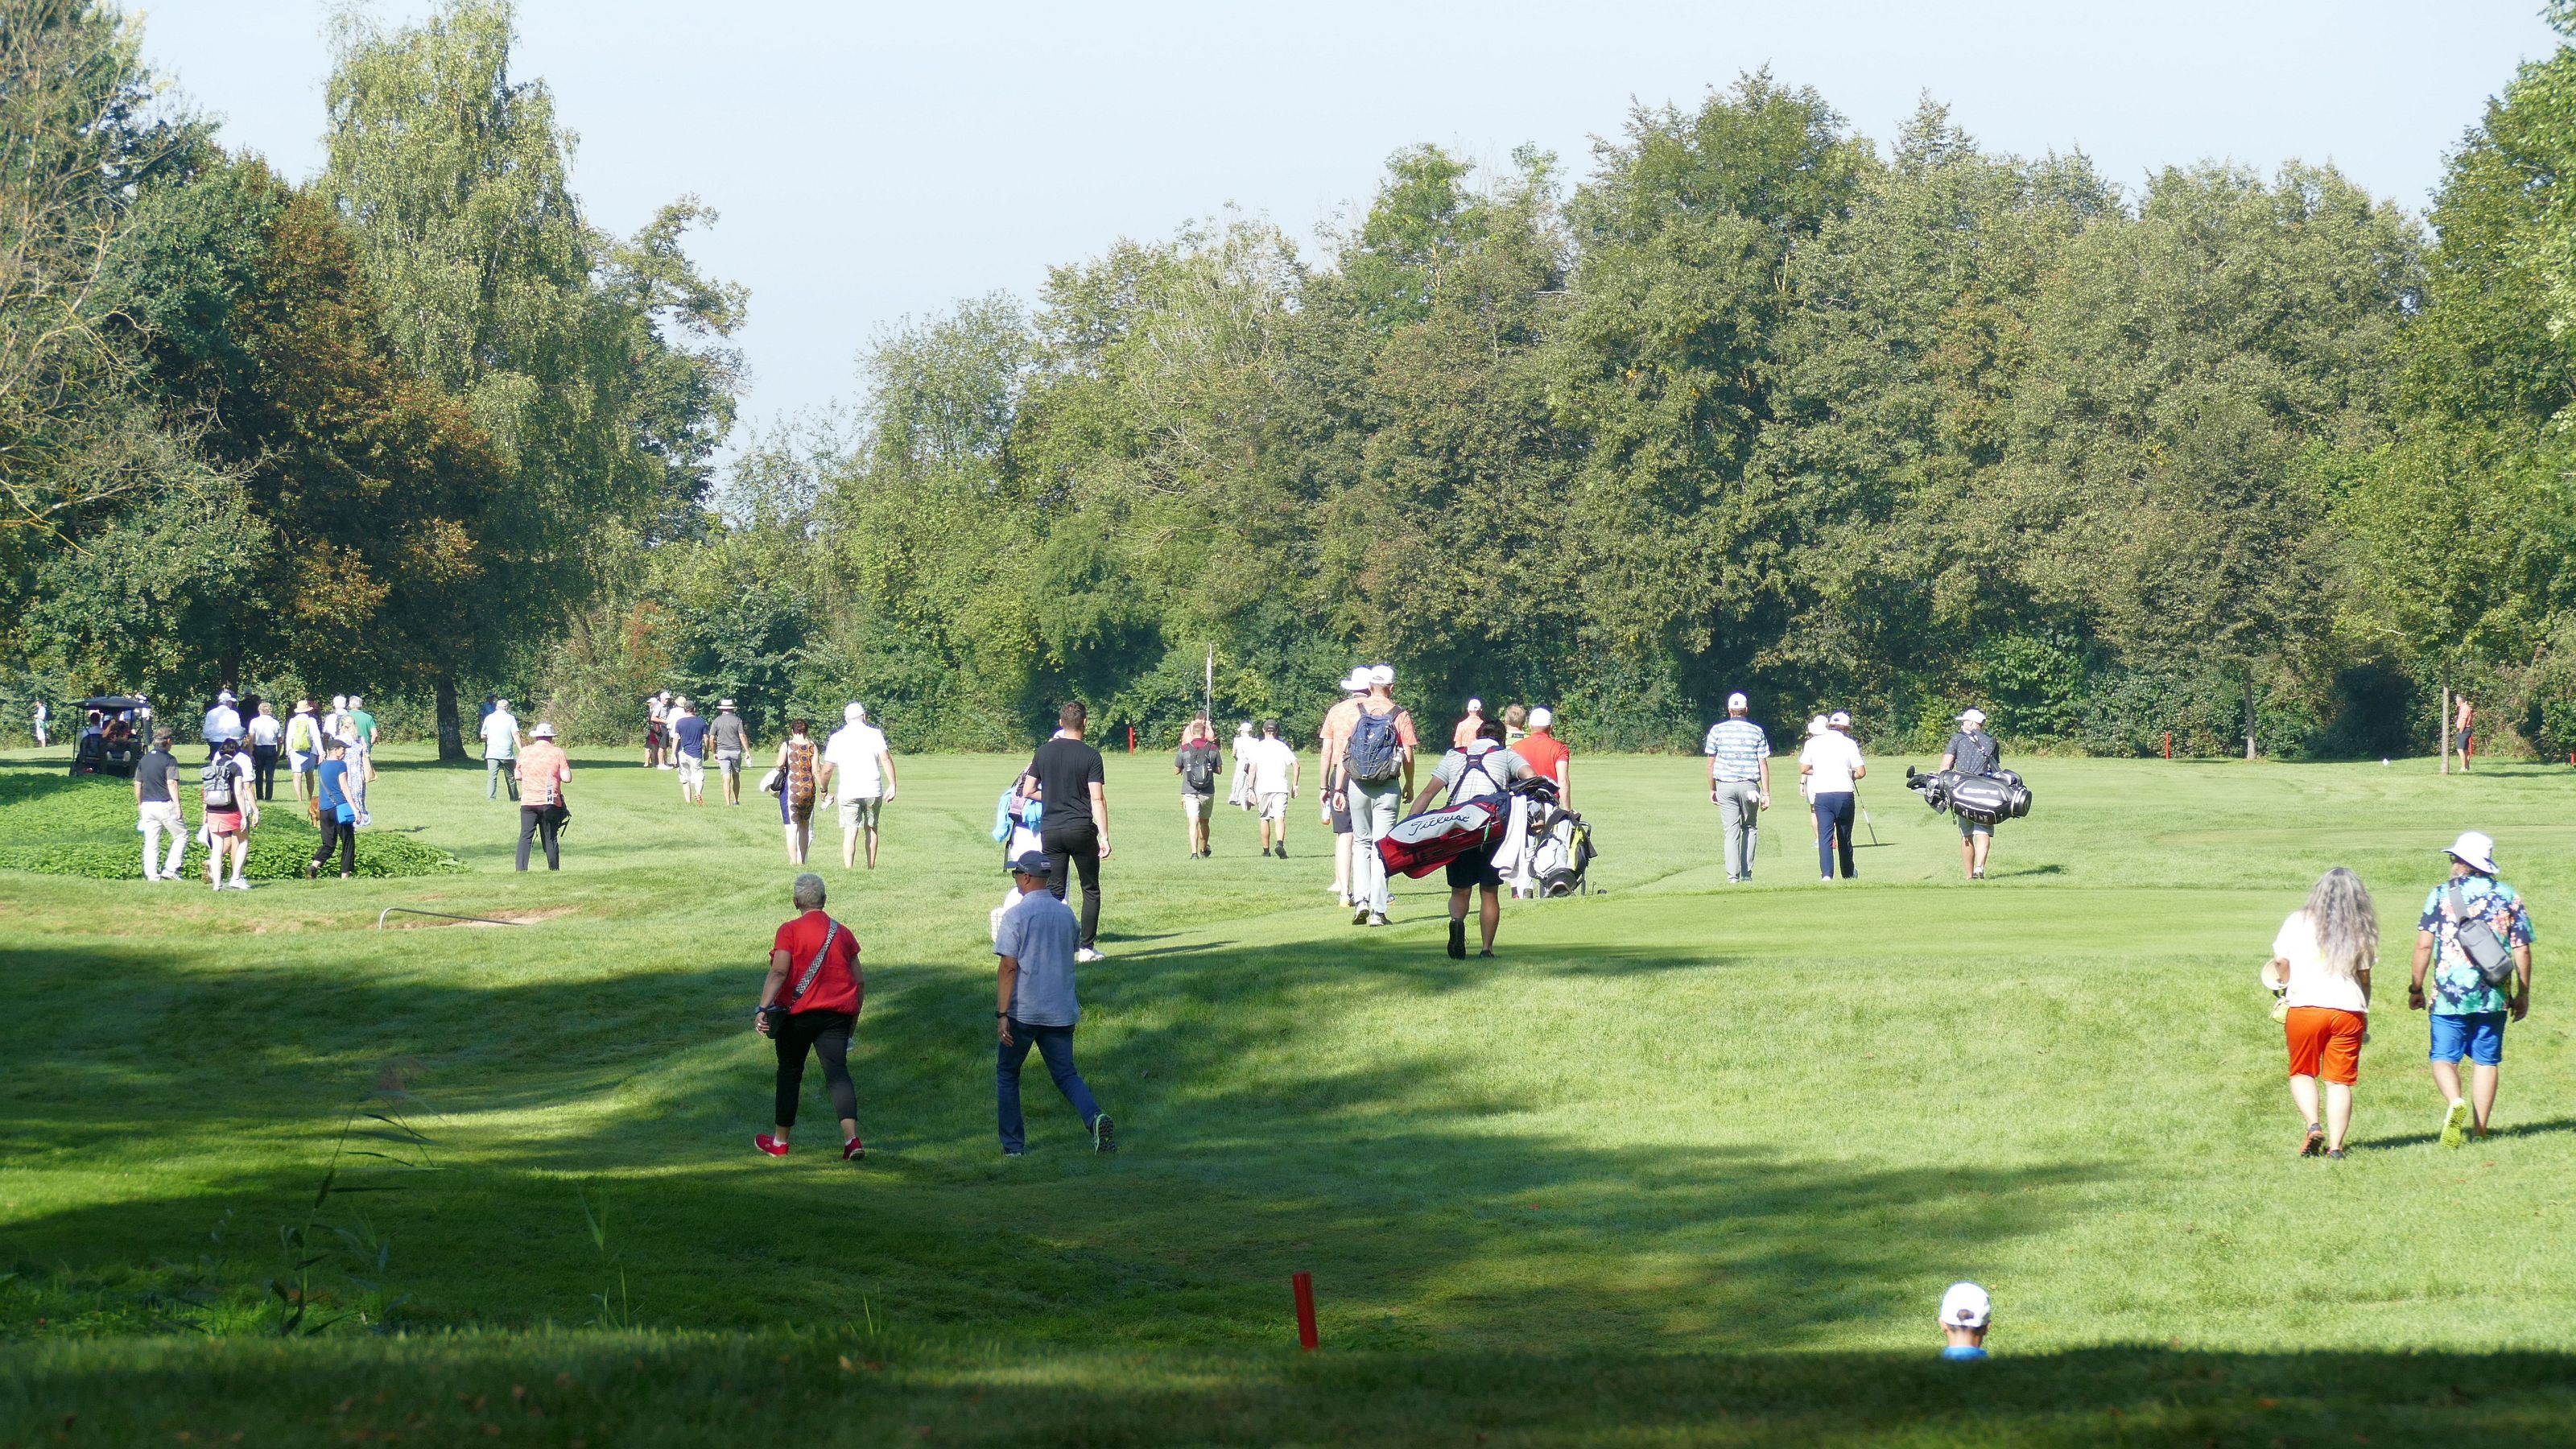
(100, 754)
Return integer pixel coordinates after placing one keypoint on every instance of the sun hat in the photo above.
(1817, 725)
(1966, 1306)
(724, 704)
(1972, 715)
(226, 696)
(2474, 849)
(1541, 717)
(1382, 674)
(854, 711)
(1738, 701)
(1839, 719)
(543, 731)
(1032, 864)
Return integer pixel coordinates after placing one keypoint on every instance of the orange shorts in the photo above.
(2325, 1042)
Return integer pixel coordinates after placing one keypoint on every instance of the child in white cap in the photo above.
(1965, 1313)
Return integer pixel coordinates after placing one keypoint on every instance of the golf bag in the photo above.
(1981, 799)
(1563, 856)
(1418, 846)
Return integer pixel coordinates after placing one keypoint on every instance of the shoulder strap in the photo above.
(806, 982)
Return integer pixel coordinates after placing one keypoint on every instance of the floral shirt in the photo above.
(2457, 989)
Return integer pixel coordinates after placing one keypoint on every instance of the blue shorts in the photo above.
(2480, 1038)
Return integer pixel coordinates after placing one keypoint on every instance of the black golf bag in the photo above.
(1981, 799)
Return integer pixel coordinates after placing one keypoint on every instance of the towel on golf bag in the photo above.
(1562, 855)
(1982, 799)
(1418, 846)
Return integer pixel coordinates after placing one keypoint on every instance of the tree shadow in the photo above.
(2512, 1129)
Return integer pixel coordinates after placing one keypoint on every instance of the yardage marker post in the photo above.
(1304, 1284)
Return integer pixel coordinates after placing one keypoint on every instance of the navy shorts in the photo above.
(2480, 1038)
(1475, 868)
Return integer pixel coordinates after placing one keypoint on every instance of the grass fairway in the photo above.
(1687, 1163)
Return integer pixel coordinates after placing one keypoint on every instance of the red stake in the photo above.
(2169, 744)
(1131, 739)
(1304, 1283)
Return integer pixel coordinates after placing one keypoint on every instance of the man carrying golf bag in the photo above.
(1970, 771)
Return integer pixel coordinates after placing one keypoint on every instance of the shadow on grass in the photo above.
(643, 1391)
(1411, 1180)
(2513, 1129)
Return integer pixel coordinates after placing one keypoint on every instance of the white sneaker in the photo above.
(1087, 954)
(239, 884)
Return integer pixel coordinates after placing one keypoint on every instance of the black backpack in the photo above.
(1198, 767)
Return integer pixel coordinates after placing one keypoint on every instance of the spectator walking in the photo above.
(1375, 759)
(1239, 789)
(1966, 1313)
(264, 734)
(303, 748)
(1276, 775)
(1515, 725)
(1468, 729)
(1335, 806)
(223, 722)
(858, 771)
(799, 772)
(337, 819)
(813, 1015)
(2473, 925)
(1034, 1003)
(37, 714)
(1476, 770)
(1197, 763)
(689, 750)
(1739, 783)
(362, 755)
(1831, 766)
(2463, 722)
(657, 723)
(156, 807)
(231, 813)
(732, 742)
(500, 750)
(543, 771)
(2322, 956)
(1972, 751)
(1069, 777)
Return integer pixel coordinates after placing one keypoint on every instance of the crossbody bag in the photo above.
(2487, 952)
(776, 1012)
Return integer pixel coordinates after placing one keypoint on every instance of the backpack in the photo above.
(216, 781)
(1376, 751)
(1198, 770)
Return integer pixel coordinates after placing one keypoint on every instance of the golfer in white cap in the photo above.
(1966, 1313)
(859, 772)
(1739, 783)
(1465, 732)
(1374, 771)
(1972, 751)
(2475, 935)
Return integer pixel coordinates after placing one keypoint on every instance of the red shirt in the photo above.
(1546, 755)
(836, 986)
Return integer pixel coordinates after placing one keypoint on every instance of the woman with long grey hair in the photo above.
(2321, 960)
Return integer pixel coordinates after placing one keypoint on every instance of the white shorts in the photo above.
(299, 762)
(693, 769)
(1194, 808)
(861, 811)
(1274, 806)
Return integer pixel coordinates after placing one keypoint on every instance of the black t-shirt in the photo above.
(158, 774)
(1974, 754)
(1066, 771)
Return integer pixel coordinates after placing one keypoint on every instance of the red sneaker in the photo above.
(770, 1145)
(853, 1150)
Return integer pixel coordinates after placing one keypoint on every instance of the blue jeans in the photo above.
(1055, 1044)
(1833, 824)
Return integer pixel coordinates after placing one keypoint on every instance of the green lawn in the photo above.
(1685, 1163)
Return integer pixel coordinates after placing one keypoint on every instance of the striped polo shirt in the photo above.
(1739, 746)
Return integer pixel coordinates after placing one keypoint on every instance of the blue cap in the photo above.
(1034, 864)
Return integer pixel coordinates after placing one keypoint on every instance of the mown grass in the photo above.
(1682, 1152)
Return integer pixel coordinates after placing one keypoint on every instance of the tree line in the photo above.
(2259, 461)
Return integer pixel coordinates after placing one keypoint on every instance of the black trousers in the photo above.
(544, 821)
(263, 771)
(827, 1035)
(343, 836)
(1074, 848)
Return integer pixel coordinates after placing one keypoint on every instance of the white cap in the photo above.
(1817, 725)
(1382, 674)
(225, 696)
(543, 731)
(1542, 717)
(1244, 728)
(854, 711)
(1356, 682)
(1966, 1306)
(1838, 719)
(339, 701)
(2474, 849)
(1972, 715)
(1738, 701)
(1475, 706)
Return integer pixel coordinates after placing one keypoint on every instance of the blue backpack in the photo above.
(1376, 751)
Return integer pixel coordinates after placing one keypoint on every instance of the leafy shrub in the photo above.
(61, 825)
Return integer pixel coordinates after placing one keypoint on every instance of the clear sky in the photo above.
(876, 160)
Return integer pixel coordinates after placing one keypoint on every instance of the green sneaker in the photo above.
(2455, 1125)
(1104, 1138)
